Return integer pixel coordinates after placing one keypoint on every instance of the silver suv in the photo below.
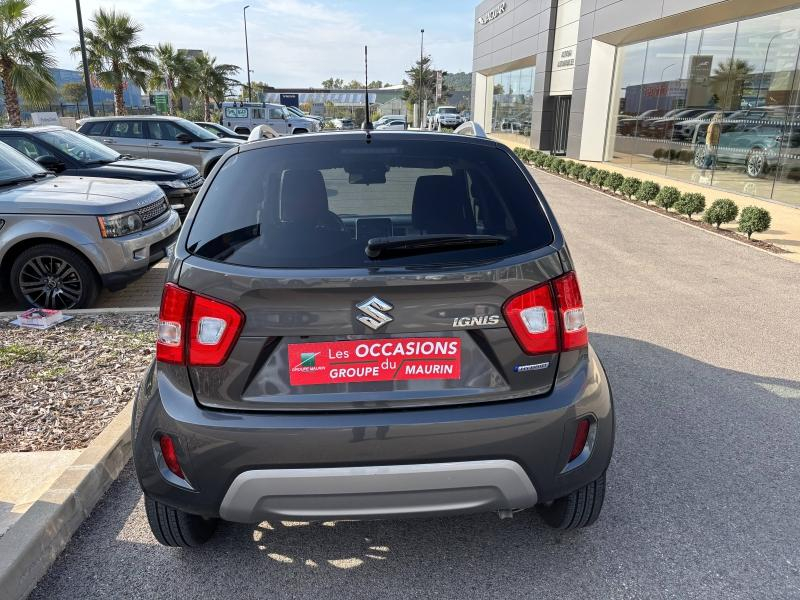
(163, 138)
(63, 238)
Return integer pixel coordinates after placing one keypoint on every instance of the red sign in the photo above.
(374, 360)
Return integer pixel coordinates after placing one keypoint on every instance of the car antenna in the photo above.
(367, 124)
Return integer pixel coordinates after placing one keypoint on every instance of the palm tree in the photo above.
(24, 58)
(115, 54)
(728, 82)
(213, 81)
(174, 72)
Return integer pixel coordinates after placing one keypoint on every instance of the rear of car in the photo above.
(365, 326)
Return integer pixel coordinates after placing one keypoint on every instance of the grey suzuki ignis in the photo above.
(370, 325)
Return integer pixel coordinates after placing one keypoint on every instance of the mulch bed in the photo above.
(60, 387)
(697, 223)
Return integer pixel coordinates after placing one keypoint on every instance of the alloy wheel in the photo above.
(50, 282)
(756, 164)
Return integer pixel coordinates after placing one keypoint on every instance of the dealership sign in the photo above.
(492, 14)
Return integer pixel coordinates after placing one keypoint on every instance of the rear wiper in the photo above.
(420, 244)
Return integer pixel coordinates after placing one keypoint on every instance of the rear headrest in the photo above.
(303, 196)
(441, 205)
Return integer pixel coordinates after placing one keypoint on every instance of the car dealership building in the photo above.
(637, 82)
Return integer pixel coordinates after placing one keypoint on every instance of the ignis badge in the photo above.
(476, 321)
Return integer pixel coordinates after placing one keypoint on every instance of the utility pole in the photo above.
(421, 46)
(247, 52)
(87, 82)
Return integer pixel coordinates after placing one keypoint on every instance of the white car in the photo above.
(446, 116)
(393, 125)
(386, 118)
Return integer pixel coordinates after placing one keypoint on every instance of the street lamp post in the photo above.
(247, 53)
(87, 82)
(766, 57)
(421, 46)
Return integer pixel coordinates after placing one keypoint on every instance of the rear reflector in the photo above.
(170, 456)
(196, 330)
(548, 318)
(581, 435)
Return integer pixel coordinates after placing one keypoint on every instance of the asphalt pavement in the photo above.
(701, 340)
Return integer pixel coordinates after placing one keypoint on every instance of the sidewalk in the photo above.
(785, 231)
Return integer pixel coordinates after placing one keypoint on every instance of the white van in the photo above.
(242, 117)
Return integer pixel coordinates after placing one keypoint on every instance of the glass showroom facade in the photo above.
(718, 106)
(509, 105)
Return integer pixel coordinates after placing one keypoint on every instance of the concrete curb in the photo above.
(91, 311)
(663, 216)
(32, 544)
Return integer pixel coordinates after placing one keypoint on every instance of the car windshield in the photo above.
(319, 205)
(449, 111)
(196, 130)
(83, 149)
(15, 166)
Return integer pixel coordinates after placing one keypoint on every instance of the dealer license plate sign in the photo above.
(394, 359)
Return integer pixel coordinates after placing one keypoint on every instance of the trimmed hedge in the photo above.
(690, 203)
(577, 170)
(630, 187)
(648, 191)
(589, 173)
(667, 197)
(721, 211)
(754, 220)
(599, 178)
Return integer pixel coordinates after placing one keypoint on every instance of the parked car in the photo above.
(242, 117)
(299, 113)
(220, 130)
(164, 138)
(663, 128)
(387, 118)
(354, 330)
(393, 125)
(342, 124)
(62, 239)
(65, 152)
(446, 116)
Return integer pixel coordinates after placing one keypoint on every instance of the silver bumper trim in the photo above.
(378, 491)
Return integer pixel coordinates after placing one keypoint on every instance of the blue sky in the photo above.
(294, 43)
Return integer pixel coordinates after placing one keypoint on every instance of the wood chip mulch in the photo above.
(60, 387)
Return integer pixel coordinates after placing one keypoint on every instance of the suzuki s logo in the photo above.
(374, 311)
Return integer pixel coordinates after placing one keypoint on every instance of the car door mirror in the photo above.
(51, 163)
(183, 138)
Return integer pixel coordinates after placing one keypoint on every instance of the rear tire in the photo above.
(173, 527)
(578, 509)
(299, 131)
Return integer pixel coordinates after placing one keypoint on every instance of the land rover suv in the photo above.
(364, 325)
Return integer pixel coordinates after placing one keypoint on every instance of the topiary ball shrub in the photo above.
(754, 220)
(577, 170)
(648, 191)
(667, 197)
(614, 181)
(721, 211)
(540, 159)
(565, 166)
(589, 173)
(599, 178)
(547, 162)
(658, 153)
(630, 187)
(685, 156)
(555, 166)
(689, 204)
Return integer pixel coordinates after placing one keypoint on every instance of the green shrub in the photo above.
(648, 191)
(614, 181)
(667, 197)
(577, 170)
(555, 166)
(689, 204)
(630, 187)
(540, 159)
(685, 156)
(519, 150)
(599, 178)
(565, 167)
(754, 220)
(658, 153)
(547, 163)
(721, 211)
(589, 173)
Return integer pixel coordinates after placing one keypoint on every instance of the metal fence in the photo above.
(79, 111)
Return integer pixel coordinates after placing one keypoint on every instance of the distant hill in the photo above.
(458, 82)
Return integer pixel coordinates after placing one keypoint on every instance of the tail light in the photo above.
(194, 329)
(548, 318)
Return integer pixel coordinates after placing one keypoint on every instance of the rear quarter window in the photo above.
(317, 204)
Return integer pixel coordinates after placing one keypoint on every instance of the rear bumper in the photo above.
(253, 466)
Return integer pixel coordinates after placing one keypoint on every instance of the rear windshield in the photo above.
(317, 204)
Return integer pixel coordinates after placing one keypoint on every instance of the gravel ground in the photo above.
(701, 346)
(63, 385)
